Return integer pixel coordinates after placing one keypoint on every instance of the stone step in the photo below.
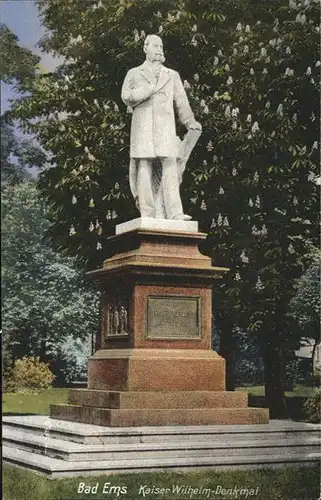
(92, 434)
(43, 445)
(55, 468)
(158, 417)
(160, 399)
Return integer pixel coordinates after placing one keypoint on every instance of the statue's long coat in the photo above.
(153, 131)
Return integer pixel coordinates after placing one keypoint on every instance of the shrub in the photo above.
(29, 374)
(312, 407)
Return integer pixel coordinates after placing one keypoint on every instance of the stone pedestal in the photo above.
(154, 364)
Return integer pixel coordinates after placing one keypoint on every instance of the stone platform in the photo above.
(162, 409)
(57, 448)
(158, 399)
(154, 408)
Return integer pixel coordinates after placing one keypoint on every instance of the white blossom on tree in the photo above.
(259, 285)
(244, 257)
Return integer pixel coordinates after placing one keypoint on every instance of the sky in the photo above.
(21, 16)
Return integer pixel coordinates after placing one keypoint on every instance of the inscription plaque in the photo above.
(173, 317)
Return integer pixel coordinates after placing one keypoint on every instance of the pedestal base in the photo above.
(156, 370)
(154, 365)
(155, 417)
(158, 399)
(155, 387)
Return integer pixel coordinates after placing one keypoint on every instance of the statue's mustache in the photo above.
(162, 57)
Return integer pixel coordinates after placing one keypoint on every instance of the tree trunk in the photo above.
(274, 389)
(316, 343)
(227, 350)
(43, 352)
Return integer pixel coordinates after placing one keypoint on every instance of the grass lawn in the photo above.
(280, 484)
(33, 403)
(39, 403)
(265, 484)
(298, 391)
(294, 399)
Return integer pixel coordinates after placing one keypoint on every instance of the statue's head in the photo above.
(153, 48)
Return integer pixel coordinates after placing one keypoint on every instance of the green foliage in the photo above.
(17, 155)
(29, 374)
(18, 66)
(70, 361)
(10, 171)
(45, 297)
(312, 406)
(305, 304)
(249, 369)
(17, 63)
(249, 366)
(291, 371)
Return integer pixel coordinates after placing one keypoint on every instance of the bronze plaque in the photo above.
(173, 317)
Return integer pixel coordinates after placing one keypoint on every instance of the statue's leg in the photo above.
(144, 188)
(159, 203)
(172, 199)
(158, 189)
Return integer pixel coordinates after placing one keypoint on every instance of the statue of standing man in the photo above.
(157, 156)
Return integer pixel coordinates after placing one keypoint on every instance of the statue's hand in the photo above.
(195, 126)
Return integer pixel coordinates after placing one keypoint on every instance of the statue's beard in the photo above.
(159, 59)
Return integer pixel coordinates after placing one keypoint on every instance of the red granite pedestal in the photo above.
(154, 364)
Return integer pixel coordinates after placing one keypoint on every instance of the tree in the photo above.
(36, 320)
(45, 299)
(18, 64)
(11, 172)
(17, 155)
(18, 67)
(251, 71)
